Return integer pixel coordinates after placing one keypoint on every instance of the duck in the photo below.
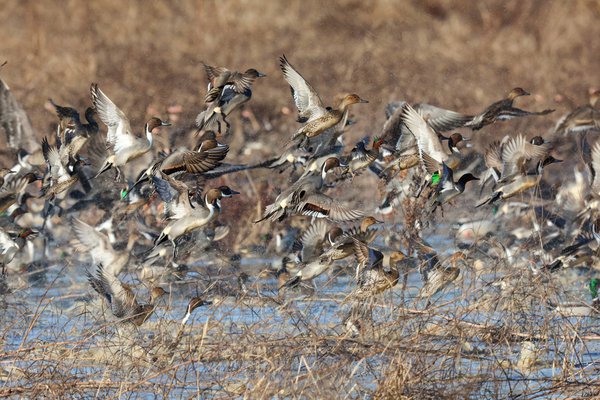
(186, 217)
(342, 242)
(580, 308)
(98, 245)
(502, 110)
(306, 271)
(289, 198)
(287, 267)
(121, 299)
(519, 183)
(361, 158)
(207, 156)
(319, 205)
(62, 176)
(220, 78)
(313, 240)
(399, 146)
(194, 303)
(447, 189)
(311, 111)
(16, 123)
(3, 173)
(70, 131)
(518, 154)
(372, 277)
(431, 151)
(11, 244)
(223, 97)
(124, 144)
(14, 191)
(341, 246)
(436, 274)
(581, 119)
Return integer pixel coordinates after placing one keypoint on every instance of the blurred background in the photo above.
(146, 56)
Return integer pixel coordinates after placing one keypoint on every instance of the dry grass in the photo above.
(454, 54)
(470, 344)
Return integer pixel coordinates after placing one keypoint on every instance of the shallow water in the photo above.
(56, 305)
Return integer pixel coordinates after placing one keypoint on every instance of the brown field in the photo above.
(452, 53)
(147, 56)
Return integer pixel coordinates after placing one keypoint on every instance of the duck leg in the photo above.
(175, 249)
(117, 174)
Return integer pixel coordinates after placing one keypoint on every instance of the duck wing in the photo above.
(16, 123)
(322, 206)
(442, 120)
(427, 139)
(94, 242)
(312, 240)
(212, 73)
(58, 172)
(176, 196)
(517, 151)
(595, 167)
(307, 100)
(119, 129)
(120, 298)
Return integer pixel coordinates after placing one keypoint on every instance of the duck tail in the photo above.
(271, 212)
(496, 196)
(293, 282)
(160, 240)
(107, 165)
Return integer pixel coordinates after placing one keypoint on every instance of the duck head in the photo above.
(468, 177)
(213, 198)
(226, 191)
(396, 257)
(209, 144)
(537, 140)
(350, 99)
(329, 164)
(367, 222)
(90, 114)
(156, 293)
(334, 233)
(252, 73)
(155, 122)
(517, 92)
(196, 302)
(455, 139)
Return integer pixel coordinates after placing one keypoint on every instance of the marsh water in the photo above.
(51, 317)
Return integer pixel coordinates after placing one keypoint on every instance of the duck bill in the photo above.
(261, 75)
(363, 101)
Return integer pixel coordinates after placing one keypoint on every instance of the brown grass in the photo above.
(455, 54)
